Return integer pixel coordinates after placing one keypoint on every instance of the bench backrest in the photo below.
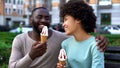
(112, 57)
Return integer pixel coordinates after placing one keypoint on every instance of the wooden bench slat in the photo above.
(112, 65)
(113, 49)
(114, 57)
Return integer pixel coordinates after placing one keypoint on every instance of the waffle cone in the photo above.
(43, 39)
(62, 62)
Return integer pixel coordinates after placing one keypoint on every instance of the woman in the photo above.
(81, 49)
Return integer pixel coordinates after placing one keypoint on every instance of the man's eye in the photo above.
(39, 17)
(47, 18)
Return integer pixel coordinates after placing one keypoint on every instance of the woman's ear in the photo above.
(78, 21)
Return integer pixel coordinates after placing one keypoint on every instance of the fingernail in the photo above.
(38, 45)
(97, 40)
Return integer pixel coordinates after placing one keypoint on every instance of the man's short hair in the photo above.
(38, 8)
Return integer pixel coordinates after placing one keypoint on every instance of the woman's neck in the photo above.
(81, 35)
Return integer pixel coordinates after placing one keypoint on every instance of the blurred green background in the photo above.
(6, 39)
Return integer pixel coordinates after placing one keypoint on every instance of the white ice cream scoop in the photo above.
(62, 55)
(44, 34)
(44, 31)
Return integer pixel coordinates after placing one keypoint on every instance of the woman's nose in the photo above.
(63, 24)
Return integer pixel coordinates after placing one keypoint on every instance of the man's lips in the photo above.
(40, 27)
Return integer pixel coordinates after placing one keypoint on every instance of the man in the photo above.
(28, 52)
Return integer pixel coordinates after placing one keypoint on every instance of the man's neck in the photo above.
(35, 36)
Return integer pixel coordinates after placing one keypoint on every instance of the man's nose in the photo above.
(43, 20)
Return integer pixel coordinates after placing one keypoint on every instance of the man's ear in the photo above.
(31, 20)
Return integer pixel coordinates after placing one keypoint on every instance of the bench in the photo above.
(112, 57)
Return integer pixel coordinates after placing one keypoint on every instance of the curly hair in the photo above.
(81, 11)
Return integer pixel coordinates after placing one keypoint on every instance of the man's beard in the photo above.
(35, 28)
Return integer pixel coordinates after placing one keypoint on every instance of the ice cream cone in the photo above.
(62, 62)
(43, 39)
(62, 57)
(44, 34)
